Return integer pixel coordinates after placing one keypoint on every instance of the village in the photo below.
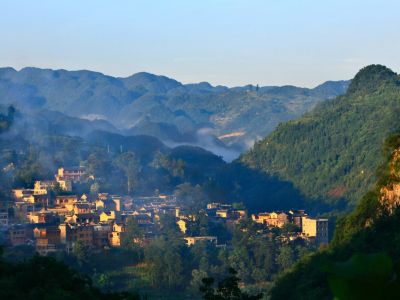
(52, 223)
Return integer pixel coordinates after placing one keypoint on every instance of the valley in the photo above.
(283, 196)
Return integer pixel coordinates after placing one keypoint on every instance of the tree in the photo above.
(289, 228)
(199, 226)
(241, 261)
(264, 257)
(129, 165)
(164, 263)
(175, 167)
(82, 252)
(98, 163)
(95, 188)
(285, 257)
(47, 278)
(197, 277)
(133, 231)
(173, 269)
(228, 289)
(103, 281)
(191, 197)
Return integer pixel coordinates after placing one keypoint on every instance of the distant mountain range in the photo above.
(328, 155)
(224, 120)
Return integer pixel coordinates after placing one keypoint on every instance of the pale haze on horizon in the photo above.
(236, 42)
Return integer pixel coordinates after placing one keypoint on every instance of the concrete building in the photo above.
(316, 228)
(74, 174)
(47, 239)
(73, 233)
(62, 201)
(116, 236)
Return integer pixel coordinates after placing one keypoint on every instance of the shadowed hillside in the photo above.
(333, 151)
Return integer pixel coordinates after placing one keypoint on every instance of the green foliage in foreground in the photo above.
(372, 276)
(309, 278)
(47, 279)
(228, 289)
(333, 151)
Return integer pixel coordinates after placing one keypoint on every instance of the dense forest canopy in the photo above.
(332, 152)
(361, 261)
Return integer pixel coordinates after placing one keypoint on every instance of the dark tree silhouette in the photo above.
(228, 289)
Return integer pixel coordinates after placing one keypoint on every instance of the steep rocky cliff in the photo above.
(390, 193)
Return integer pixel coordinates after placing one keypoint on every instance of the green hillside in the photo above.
(362, 260)
(333, 151)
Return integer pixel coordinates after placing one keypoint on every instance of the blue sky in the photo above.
(236, 42)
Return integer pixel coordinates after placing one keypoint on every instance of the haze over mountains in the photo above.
(224, 120)
(323, 161)
(317, 152)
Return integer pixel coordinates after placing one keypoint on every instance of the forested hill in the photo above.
(333, 151)
(33, 145)
(362, 260)
(165, 108)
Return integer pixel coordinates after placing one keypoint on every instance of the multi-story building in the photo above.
(43, 200)
(73, 233)
(74, 174)
(63, 201)
(42, 216)
(47, 239)
(83, 218)
(82, 208)
(19, 194)
(295, 216)
(42, 187)
(100, 235)
(111, 203)
(316, 228)
(116, 236)
(273, 219)
(18, 234)
(64, 184)
(260, 218)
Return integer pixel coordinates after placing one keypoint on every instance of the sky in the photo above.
(224, 42)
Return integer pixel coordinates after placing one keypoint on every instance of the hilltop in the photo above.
(332, 152)
(145, 103)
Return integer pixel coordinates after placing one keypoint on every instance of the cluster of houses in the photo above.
(312, 229)
(57, 223)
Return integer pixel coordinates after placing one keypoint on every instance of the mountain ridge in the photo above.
(189, 107)
(318, 151)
